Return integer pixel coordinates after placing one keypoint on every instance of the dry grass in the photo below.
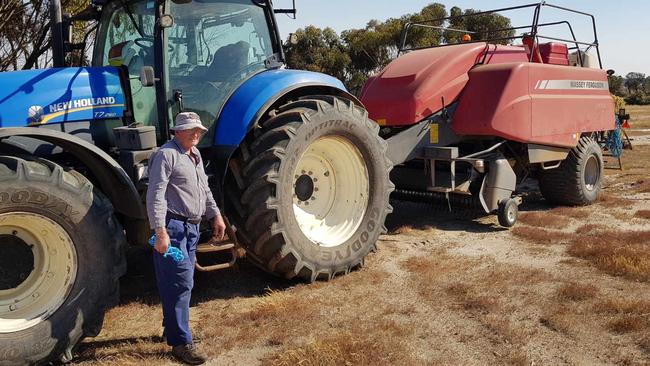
(639, 116)
(591, 229)
(608, 200)
(573, 291)
(541, 236)
(381, 345)
(625, 315)
(642, 214)
(546, 219)
(572, 212)
(560, 318)
(623, 253)
(410, 230)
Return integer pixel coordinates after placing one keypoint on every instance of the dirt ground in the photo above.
(565, 286)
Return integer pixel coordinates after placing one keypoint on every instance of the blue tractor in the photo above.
(296, 165)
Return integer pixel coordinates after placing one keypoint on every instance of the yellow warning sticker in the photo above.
(381, 121)
(433, 133)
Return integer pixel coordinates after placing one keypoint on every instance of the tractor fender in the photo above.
(113, 180)
(257, 94)
(243, 110)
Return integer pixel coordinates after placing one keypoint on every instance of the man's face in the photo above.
(189, 138)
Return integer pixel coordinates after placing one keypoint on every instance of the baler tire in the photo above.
(270, 225)
(578, 179)
(78, 255)
(508, 212)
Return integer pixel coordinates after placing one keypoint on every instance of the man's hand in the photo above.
(218, 228)
(162, 240)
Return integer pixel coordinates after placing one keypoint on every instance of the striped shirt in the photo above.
(179, 185)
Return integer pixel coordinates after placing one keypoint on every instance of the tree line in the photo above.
(356, 54)
(634, 87)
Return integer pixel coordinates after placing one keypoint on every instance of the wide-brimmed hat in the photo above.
(188, 121)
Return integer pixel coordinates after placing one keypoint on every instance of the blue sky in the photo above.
(623, 26)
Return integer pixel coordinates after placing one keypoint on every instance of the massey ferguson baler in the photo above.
(469, 121)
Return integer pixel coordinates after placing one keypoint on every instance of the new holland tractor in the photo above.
(297, 166)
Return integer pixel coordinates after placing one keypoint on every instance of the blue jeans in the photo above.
(175, 281)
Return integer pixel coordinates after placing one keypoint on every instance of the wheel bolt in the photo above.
(327, 174)
(313, 198)
(315, 180)
(310, 172)
(315, 189)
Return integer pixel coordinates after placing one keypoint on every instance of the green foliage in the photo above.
(616, 85)
(318, 50)
(638, 98)
(358, 53)
(634, 82)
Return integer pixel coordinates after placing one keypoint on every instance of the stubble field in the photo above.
(566, 285)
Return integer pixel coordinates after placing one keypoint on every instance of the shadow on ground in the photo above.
(246, 280)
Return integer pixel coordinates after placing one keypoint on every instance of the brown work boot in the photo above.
(189, 354)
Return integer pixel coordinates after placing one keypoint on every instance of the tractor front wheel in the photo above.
(314, 189)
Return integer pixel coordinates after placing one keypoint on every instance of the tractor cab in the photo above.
(201, 52)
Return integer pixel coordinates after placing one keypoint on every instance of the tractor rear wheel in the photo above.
(312, 193)
(578, 179)
(62, 256)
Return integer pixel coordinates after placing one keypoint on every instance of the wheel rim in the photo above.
(592, 173)
(41, 243)
(511, 215)
(330, 191)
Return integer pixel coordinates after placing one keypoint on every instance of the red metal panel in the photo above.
(537, 103)
(410, 88)
(498, 54)
(554, 53)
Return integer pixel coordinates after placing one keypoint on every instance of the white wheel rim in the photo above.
(55, 267)
(592, 173)
(330, 191)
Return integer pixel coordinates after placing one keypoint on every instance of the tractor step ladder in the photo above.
(228, 246)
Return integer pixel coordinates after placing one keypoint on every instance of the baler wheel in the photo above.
(508, 212)
(313, 192)
(63, 254)
(578, 179)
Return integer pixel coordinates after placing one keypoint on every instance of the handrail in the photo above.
(534, 29)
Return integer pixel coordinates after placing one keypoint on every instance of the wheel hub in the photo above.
(304, 187)
(331, 190)
(16, 261)
(592, 173)
(40, 260)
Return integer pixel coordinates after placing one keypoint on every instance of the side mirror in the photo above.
(146, 76)
(610, 72)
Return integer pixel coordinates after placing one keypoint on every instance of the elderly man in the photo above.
(177, 198)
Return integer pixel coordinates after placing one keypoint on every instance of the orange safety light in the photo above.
(467, 38)
(625, 124)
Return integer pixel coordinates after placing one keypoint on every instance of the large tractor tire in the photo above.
(62, 256)
(310, 189)
(578, 179)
